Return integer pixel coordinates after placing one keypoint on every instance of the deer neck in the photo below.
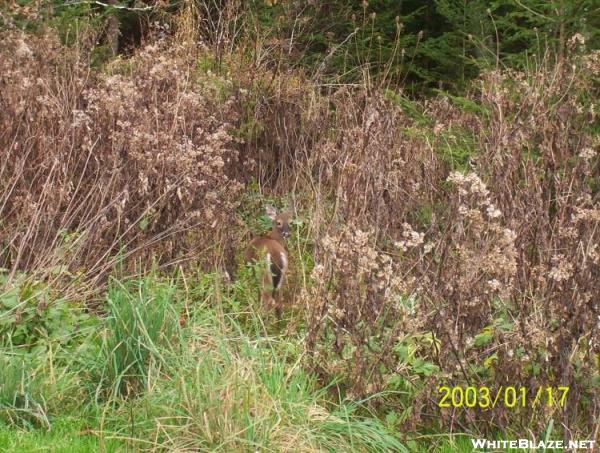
(276, 235)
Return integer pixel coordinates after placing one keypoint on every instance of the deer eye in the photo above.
(279, 223)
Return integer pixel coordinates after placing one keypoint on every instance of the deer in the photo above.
(270, 257)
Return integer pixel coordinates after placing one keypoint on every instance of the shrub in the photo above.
(34, 318)
(137, 158)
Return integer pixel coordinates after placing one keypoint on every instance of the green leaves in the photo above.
(487, 334)
(32, 316)
(421, 366)
(10, 298)
(414, 351)
(484, 337)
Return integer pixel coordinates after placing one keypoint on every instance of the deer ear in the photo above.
(271, 212)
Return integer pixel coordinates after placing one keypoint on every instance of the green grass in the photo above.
(143, 320)
(227, 380)
(68, 434)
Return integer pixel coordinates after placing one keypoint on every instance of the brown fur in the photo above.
(272, 277)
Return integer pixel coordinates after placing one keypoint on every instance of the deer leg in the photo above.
(266, 288)
(278, 306)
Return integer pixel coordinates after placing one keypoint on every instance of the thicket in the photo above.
(449, 240)
(419, 46)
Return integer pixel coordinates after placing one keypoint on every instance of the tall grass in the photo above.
(226, 389)
(217, 383)
(142, 320)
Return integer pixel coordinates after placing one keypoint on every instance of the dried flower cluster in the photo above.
(357, 292)
(502, 254)
(137, 158)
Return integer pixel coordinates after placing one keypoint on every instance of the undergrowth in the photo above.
(216, 381)
(448, 240)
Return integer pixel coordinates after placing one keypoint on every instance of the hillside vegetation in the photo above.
(445, 186)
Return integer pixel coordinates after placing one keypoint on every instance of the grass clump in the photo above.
(217, 386)
(142, 318)
(216, 382)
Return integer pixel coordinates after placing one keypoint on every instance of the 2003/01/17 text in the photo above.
(509, 396)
